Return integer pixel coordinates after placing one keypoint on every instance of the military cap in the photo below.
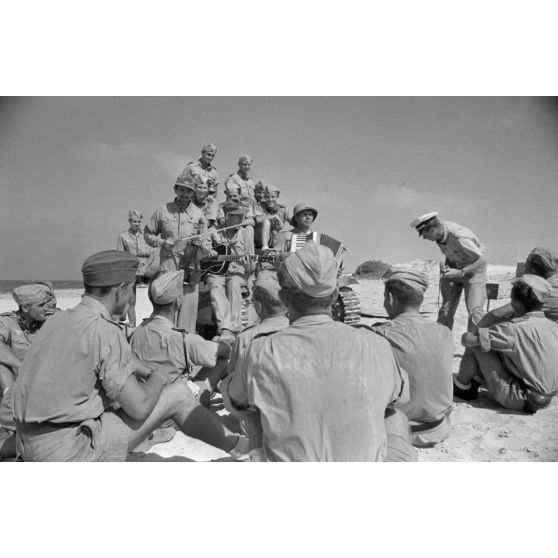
(541, 287)
(298, 208)
(244, 158)
(267, 280)
(209, 147)
(232, 208)
(312, 269)
(546, 258)
(420, 223)
(417, 280)
(271, 188)
(109, 268)
(259, 185)
(31, 294)
(134, 214)
(185, 180)
(167, 287)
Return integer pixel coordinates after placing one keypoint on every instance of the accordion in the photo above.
(299, 240)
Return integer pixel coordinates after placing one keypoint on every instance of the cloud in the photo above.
(170, 162)
(396, 196)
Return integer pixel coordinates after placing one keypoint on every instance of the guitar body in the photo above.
(214, 266)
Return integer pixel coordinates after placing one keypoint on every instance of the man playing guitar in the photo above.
(225, 288)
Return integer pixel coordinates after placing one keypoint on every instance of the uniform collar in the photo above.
(179, 210)
(162, 319)
(96, 305)
(24, 325)
(405, 315)
(445, 237)
(312, 319)
(139, 233)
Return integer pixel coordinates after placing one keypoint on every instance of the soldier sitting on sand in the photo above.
(517, 357)
(17, 331)
(424, 349)
(81, 364)
(157, 341)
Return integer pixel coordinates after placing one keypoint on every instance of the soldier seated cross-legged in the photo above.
(517, 357)
(81, 364)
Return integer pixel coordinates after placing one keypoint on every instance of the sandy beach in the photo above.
(482, 431)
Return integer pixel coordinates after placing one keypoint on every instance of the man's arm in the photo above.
(8, 357)
(138, 400)
(120, 244)
(151, 231)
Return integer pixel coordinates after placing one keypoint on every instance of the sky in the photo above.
(71, 167)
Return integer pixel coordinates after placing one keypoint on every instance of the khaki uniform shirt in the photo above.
(240, 244)
(209, 208)
(17, 333)
(322, 388)
(133, 243)
(157, 342)
(528, 347)
(170, 223)
(75, 368)
(244, 338)
(424, 349)
(195, 168)
(461, 248)
(246, 187)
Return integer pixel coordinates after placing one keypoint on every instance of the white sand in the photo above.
(482, 431)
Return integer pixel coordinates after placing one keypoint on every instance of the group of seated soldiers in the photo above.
(78, 385)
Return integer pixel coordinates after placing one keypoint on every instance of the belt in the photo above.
(36, 426)
(426, 425)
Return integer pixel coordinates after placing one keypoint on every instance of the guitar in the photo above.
(219, 264)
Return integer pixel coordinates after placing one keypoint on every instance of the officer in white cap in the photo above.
(463, 269)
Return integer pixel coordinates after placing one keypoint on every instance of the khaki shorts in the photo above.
(102, 439)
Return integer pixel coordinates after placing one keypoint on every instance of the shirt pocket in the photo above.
(19, 344)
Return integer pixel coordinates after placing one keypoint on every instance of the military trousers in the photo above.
(226, 300)
(475, 299)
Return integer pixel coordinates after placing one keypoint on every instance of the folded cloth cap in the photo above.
(267, 280)
(134, 214)
(47, 284)
(547, 258)
(185, 180)
(421, 222)
(259, 185)
(109, 268)
(31, 294)
(541, 287)
(302, 207)
(167, 287)
(209, 147)
(312, 269)
(271, 188)
(233, 208)
(417, 280)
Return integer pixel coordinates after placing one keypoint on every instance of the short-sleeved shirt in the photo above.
(17, 333)
(528, 346)
(209, 208)
(321, 388)
(195, 168)
(170, 223)
(134, 243)
(460, 246)
(424, 349)
(157, 342)
(75, 368)
(245, 187)
(244, 338)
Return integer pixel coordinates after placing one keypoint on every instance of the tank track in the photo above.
(347, 307)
